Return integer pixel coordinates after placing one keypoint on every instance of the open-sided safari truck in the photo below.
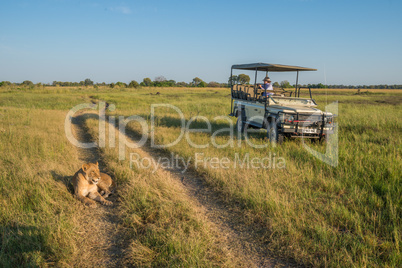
(283, 114)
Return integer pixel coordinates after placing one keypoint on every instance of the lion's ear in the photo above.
(85, 167)
(97, 164)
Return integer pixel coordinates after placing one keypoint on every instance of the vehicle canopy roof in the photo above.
(268, 67)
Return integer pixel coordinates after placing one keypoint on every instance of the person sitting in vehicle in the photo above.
(266, 86)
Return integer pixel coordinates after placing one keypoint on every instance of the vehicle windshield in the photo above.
(293, 101)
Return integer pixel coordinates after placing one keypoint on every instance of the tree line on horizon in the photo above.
(161, 81)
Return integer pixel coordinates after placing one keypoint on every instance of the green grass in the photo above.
(167, 231)
(41, 221)
(38, 223)
(349, 215)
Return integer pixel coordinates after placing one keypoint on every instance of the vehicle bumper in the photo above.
(308, 132)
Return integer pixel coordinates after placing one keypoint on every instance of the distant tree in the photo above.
(285, 84)
(196, 81)
(111, 85)
(133, 84)
(243, 78)
(88, 82)
(147, 82)
(181, 84)
(170, 83)
(233, 80)
(160, 78)
(213, 84)
(202, 84)
(5, 83)
(276, 84)
(27, 83)
(120, 84)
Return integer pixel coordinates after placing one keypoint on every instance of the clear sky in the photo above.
(349, 41)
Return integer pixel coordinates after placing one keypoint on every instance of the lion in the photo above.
(88, 182)
(106, 185)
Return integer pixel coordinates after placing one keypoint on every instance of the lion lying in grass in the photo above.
(90, 184)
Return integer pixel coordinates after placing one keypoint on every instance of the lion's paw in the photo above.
(107, 203)
(92, 205)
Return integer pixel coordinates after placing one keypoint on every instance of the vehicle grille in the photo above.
(309, 117)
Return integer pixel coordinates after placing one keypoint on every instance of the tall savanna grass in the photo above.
(41, 222)
(38, 215)
(348, 215)
(320, 215)
(166, 227)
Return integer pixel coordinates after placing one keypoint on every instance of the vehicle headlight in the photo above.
(329, 120)
(289, 118)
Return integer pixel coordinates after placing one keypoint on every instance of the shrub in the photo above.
(133, 84)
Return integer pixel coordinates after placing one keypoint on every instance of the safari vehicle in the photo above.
(283, 114)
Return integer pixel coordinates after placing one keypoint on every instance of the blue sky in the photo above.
(349, 42)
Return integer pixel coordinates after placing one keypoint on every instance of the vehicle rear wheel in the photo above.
(240, 125)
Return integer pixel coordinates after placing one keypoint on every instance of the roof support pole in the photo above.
(255, 83)
(297, 81)
(231, 91)
(231, 77)
(255, 78)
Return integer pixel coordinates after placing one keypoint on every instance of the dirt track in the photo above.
(240, 237)
(104, 236)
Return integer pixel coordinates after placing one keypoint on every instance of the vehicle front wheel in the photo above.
(272, 133)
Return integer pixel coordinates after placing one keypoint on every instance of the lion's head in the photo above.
(92, 173)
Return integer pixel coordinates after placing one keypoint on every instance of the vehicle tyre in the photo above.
(240, 124)
(317, 141)
(323, 139)
(281, 137)
(272, 132)
(247, 127)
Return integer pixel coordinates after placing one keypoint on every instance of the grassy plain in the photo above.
(321, 215)
(349, 215)
(167, 230)
(42, 224)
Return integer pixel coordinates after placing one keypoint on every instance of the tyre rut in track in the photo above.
(240, 237)
(105, 239)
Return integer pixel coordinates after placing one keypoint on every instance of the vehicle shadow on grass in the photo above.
(223, 128)
(170, 121)
(23, 246)
(218, 129)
